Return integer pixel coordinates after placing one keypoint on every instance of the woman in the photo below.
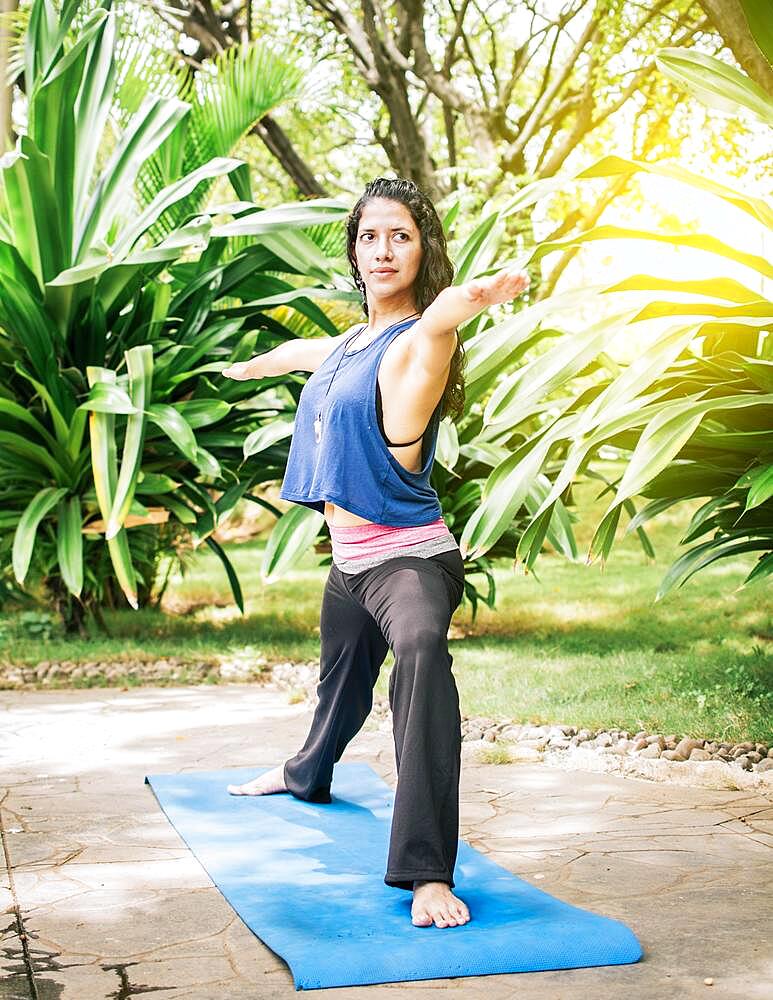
(397, 574)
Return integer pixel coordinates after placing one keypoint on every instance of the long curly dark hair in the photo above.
(436, 270)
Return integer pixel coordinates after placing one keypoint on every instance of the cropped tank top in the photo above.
(352, 465)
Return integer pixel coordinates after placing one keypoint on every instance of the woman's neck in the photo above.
(381, 319)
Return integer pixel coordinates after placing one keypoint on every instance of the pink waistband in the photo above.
(354, 541)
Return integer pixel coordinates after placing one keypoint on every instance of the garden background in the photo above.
(172, 197)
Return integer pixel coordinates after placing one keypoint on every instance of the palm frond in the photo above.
(13, 23)
(233, 92)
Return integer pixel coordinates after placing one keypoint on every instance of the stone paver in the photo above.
(114, 905)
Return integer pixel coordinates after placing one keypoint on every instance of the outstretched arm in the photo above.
(458, 303)
(435, 332)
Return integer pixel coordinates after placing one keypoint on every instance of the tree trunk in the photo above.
(67, 606)
(278, 143)
(728, 18)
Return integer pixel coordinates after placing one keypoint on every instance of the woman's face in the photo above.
(387, 237)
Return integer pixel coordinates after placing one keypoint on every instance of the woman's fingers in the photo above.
(509, 284)
(518, 280)
(496, 288)
(238, 371)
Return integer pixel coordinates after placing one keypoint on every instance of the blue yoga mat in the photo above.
(307, 879)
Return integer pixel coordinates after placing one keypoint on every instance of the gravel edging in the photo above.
(653, 756)
(53, 674)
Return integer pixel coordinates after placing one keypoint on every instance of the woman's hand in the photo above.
(242, 370)
(496, 288)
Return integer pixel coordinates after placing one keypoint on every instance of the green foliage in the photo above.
(103, 323)
(694, 411)
(36, 625)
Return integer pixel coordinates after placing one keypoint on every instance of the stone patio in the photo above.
(101, 899)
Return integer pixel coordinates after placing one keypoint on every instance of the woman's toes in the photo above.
(421, 918)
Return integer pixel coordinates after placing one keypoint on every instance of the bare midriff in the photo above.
(339, 517)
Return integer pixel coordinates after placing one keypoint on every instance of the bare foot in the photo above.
(434, 902)
(268, 783)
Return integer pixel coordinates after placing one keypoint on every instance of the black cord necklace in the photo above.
(318, 420)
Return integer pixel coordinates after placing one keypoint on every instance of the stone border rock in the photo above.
(654, 756)
(648, 746)
(68, 673)
(688, 761)
(120, 672)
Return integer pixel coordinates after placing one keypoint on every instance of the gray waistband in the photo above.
(431, 547)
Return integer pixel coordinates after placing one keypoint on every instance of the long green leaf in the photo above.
(152, 123)
(169, 196)
(513, 397)
(315, 211)
(35, 452)
(91, 110)
(266, 436)
(289, 540)
(139, 364)
(759, 482)
(105, 474)
(715, 82)
(233, 579)
(106, 397)
(489, 352)
(604, 536)
(703, 555)
(717, 287)
(617, 166)
(763, 569)
(26, 530)
(17, 412)
(69, 543)
(696, 241)
(203, 412)
(503, 494)
(667, 433)
(52, 123)
(175, 426)
(98, 264)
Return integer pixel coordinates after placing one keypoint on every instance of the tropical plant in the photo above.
(87, 291)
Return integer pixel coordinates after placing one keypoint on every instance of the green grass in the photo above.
(577, 646)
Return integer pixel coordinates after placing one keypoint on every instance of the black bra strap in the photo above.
(379, 414)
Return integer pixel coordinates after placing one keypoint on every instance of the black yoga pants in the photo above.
(404, 604)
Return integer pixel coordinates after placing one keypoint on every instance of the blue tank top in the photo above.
(351, 465)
